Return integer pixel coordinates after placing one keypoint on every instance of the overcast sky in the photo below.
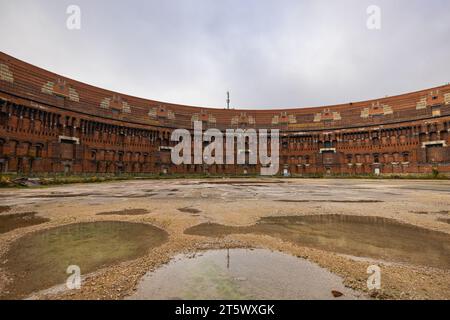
(267, 53)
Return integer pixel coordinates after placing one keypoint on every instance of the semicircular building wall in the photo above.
(49, 123)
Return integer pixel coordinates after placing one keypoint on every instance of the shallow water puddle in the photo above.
(241, 274)
(39, 260)
(10, 222)
(379, 238)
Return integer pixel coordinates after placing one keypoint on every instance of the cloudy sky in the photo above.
(268, 53)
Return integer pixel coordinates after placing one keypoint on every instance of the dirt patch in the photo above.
(443, 212)
(60, 195)
(420, 212)
(126, 212)
(19, 220)
(189, 210)
(241, 182)
(332, 201)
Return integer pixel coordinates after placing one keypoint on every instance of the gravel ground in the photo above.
(175, 205)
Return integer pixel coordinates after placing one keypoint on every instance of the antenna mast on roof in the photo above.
(228, 99)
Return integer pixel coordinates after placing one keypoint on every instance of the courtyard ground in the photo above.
(176, 205)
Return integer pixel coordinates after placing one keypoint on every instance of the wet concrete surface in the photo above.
(39, 260)
(373, 237)
(346, 191)
(10, 222)
(241, 274)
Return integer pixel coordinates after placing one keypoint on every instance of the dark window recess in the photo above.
(67, 141)
(38, 152)
(3, 119)
(405, 157)
(376, 158)
(349, 158)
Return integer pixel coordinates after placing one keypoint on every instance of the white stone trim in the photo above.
(322, 150)
(430, 143)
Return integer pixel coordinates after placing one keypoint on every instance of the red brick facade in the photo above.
(49, 123)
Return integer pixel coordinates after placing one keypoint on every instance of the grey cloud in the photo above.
(268, 53)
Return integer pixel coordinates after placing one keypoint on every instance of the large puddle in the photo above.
(39, 260)
(241, 274)
(373, 237)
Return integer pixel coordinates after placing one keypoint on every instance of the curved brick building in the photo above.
(49, 123)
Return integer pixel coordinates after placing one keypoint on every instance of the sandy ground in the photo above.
(240, 202)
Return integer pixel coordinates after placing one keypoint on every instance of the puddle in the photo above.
(372, 237)
(241, 274)
(189, 210)
(60, 195)
(39, 260)
(442, 212)
(126, 212)
(19, 220)
(419, 212)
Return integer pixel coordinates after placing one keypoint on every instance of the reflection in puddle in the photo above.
(373, 237)
(241, 274)
(39, 260)
(19, 220)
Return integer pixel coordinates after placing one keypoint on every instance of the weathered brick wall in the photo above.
(52, 124)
